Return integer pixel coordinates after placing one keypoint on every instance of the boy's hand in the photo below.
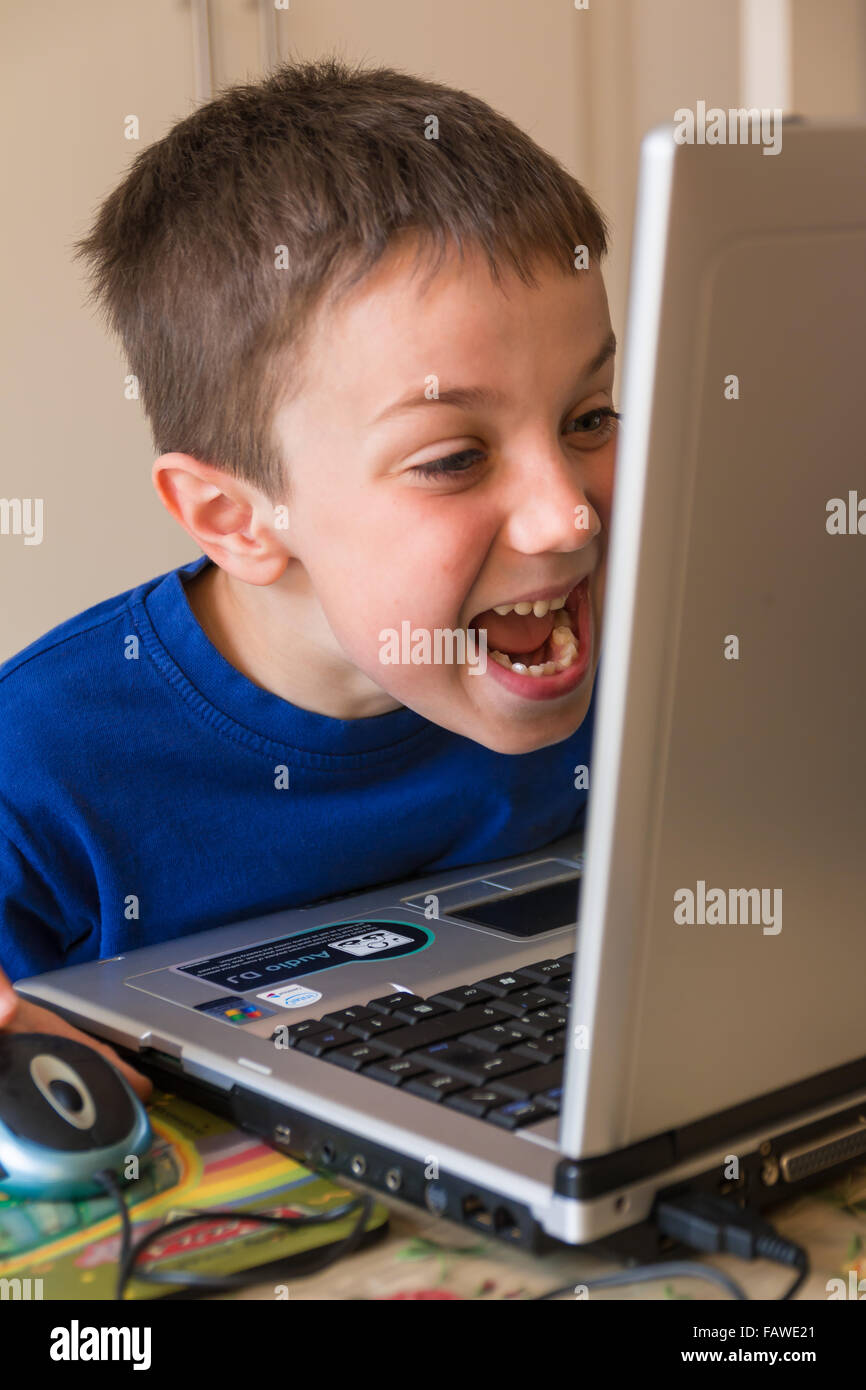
(18, 1015)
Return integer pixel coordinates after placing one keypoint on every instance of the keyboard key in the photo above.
(463, 997)
(476, 1101)
(557, 991)
(475, 1067)
(524, 1001)
(535, 1024)
(494, 1039)
(507, 983)
(546, 970)
(551, 1098)
(295, 1031)
(317, 1044)
(387, 1003)
(356, 1056)
(447, 1025)
(412, 1013)
(524, 1084)
(374, 1025)
(341, 1018)
(536, 1050)
(395, 1070)
(518, 1113)
(434, 1087)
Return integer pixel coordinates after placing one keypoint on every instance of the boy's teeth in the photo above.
(540, 608)
(565, 645)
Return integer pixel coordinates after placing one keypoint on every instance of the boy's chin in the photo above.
(518, 740)
(525, 732)
(512, 736)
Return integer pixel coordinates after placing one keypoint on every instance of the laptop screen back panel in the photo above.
(730, 753)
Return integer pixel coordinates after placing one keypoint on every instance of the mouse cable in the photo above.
(315, 1260)
(710, 1224)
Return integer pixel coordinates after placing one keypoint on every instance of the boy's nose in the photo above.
(549, 510)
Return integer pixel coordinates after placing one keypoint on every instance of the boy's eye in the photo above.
(594, 425)
(453, 464)
(597, 432)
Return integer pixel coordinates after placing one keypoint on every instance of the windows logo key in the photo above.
(233, 1009)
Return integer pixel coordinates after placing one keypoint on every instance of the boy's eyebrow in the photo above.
(468, 396)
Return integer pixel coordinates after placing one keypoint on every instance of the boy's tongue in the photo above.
(515, 634)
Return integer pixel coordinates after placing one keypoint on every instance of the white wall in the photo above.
(584, 83)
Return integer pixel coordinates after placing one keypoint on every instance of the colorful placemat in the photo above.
(200, 1161)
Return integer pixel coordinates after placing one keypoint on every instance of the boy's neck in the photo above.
(281, 642)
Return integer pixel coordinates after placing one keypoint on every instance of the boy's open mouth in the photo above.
(538, 638)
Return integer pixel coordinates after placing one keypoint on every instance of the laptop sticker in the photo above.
(234, 1009)
(268, 963)
(291, 996)
(370, 942)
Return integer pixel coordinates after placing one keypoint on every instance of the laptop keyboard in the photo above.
(493, 1049)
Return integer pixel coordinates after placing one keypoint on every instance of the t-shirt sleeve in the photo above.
(35, 936)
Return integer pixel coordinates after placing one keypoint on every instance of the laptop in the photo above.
(540, 1048)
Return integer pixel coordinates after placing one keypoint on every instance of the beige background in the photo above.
(585, 83)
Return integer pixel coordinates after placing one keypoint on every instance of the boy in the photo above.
(370, 333)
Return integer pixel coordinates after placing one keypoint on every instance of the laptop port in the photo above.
(505, 1225)
(328, 1154)
(358, 1165)
(841, 1146)
(393, 1179)
(475, 1211)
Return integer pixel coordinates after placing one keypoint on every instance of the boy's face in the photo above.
(521, 515)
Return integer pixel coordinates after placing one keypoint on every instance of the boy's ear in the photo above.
(230, 520)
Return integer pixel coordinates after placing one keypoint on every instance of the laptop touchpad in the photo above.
(529, 913)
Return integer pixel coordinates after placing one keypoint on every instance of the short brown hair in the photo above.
(332, 163)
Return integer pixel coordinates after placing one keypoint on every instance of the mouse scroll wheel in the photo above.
(68, 1095)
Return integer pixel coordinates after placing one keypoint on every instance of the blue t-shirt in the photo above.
(148, 789)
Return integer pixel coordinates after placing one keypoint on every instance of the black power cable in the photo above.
(310, 1263)
(710, 1224)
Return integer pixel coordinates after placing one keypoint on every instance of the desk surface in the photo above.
(423, 1257)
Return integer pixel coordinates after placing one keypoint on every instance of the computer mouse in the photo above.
(65, 1114)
